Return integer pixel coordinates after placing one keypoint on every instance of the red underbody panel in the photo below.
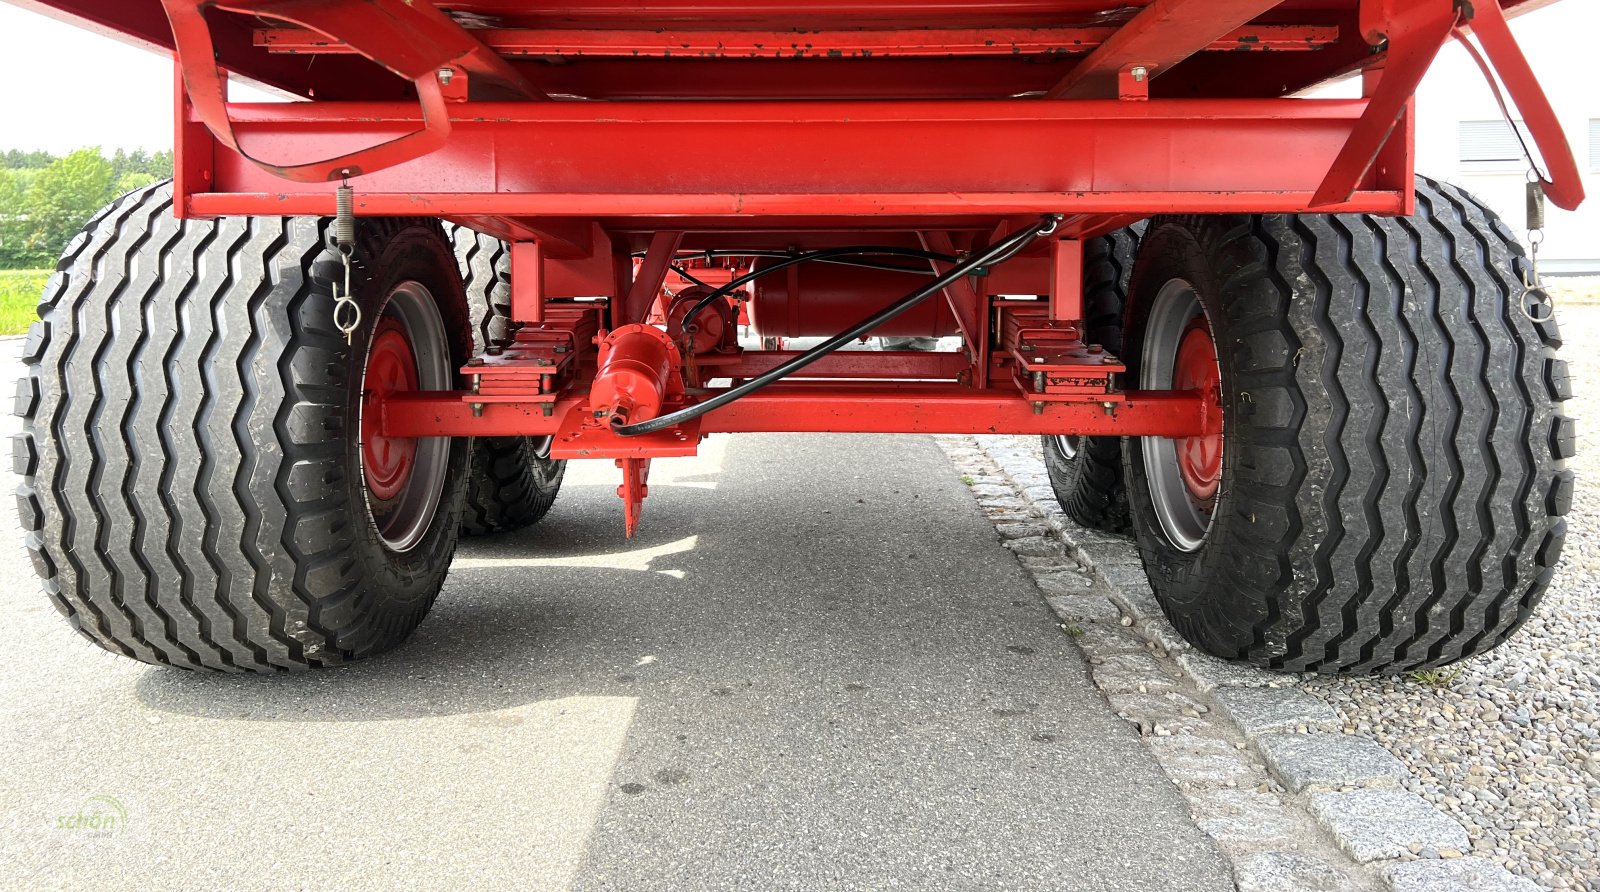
(623, 146)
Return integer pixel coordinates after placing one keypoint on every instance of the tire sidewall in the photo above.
(1191, 582)
(419, 253)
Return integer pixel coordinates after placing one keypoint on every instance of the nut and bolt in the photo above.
(446, 75)
(1139, 73)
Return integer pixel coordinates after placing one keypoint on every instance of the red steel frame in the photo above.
(940, 123)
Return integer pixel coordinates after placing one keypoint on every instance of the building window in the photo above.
(1491, 147)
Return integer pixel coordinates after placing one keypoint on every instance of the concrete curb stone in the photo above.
(1292, 806)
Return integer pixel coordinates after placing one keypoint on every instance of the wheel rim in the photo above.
(404, 476)
(391, 368)
(1184, 475)
(1068, 444)
(1199, 457)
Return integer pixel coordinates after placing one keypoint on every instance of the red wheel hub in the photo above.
(391, 368)
(1200, 457)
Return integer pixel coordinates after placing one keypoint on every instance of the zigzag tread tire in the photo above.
(1394, 469)
(512, 481)
(192, 494)
(1086, 472)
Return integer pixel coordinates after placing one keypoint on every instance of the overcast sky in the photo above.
(66, 88)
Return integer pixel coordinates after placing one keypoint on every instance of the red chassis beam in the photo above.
(701, 43)
(703, 163)
(833, 408)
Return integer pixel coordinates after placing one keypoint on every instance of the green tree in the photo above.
(17, 158)
(160, 165)
(14, 250)
(63, 196)
(44, 199)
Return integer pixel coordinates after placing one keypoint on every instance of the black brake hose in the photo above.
(686, 275)
(999, 252)
(826, 254)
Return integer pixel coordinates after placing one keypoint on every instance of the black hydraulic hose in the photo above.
(826, 254)
(999, 252)
(685, 274)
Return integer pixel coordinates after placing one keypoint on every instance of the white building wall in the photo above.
(1560, 41)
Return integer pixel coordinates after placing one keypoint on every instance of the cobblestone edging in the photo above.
(1292, 802)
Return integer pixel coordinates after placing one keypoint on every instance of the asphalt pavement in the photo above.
(815, 667)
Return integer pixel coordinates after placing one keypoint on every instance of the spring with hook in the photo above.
(346, 312)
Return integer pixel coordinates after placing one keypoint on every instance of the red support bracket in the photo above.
(1133, 83)
(648, 278)
(1066, 280)
(527, 282)
(1162, 34)
(1561, 180)
(1415, 30)
(966, 304)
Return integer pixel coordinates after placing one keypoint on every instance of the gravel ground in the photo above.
(1574, 289)
(1509, 743)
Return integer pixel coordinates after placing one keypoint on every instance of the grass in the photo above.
(19, 295)
(1439, 678)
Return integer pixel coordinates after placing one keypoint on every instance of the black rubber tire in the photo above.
(512, 482)
(1394, 462)
(510, 486)
(192, 492)
(1088, 483)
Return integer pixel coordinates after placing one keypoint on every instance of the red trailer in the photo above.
(265, 400)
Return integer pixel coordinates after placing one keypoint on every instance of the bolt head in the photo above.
(1139, 73)
(446, 75)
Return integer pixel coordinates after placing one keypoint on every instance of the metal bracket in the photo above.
(436, 45)
(1414, 31)
(1562, 182)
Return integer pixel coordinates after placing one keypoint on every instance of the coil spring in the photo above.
(344, 220)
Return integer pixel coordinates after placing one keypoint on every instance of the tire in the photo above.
(194, 492)
(1086, 472)
(513, 481)
(512, 484)
(1392, 469)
